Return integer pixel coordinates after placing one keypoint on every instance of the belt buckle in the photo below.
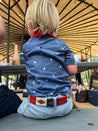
(50, 102)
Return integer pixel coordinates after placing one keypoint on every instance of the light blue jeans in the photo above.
(40, 112)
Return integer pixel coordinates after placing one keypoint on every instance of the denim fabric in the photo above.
(38, 112)
(46, 60)
(9, 101)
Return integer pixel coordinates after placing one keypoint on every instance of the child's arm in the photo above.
(72, 69)
(2, 29)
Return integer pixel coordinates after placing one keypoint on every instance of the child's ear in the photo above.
(30, 26)
(30, 30)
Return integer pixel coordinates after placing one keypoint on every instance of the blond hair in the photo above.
(43, 15)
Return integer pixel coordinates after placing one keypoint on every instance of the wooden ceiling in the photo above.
(78, 26)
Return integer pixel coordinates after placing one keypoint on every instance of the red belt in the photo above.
(49, 101)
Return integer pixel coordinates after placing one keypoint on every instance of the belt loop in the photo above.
(55, 101)
(69, 96)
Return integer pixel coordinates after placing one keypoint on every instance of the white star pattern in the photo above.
(33, 91)
(57, 53)
(51, 93)
(33, 82)
(34, 62)
(57, 41)
(60, 66)
(67, 57)
(29, 70)
(51, 59)
(44, 68)
(53, 75)
(62, 48)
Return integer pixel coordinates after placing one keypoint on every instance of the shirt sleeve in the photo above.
(69, 58)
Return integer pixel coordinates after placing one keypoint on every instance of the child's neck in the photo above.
(38, 33)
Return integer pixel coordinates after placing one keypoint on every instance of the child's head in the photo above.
(42, 15)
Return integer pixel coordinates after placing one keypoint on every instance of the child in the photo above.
(49, 63)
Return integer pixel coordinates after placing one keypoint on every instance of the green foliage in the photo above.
(86, 75)
(12, 78)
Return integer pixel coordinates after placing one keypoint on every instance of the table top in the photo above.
(13, 69)
(83, 66)
(21, 69)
